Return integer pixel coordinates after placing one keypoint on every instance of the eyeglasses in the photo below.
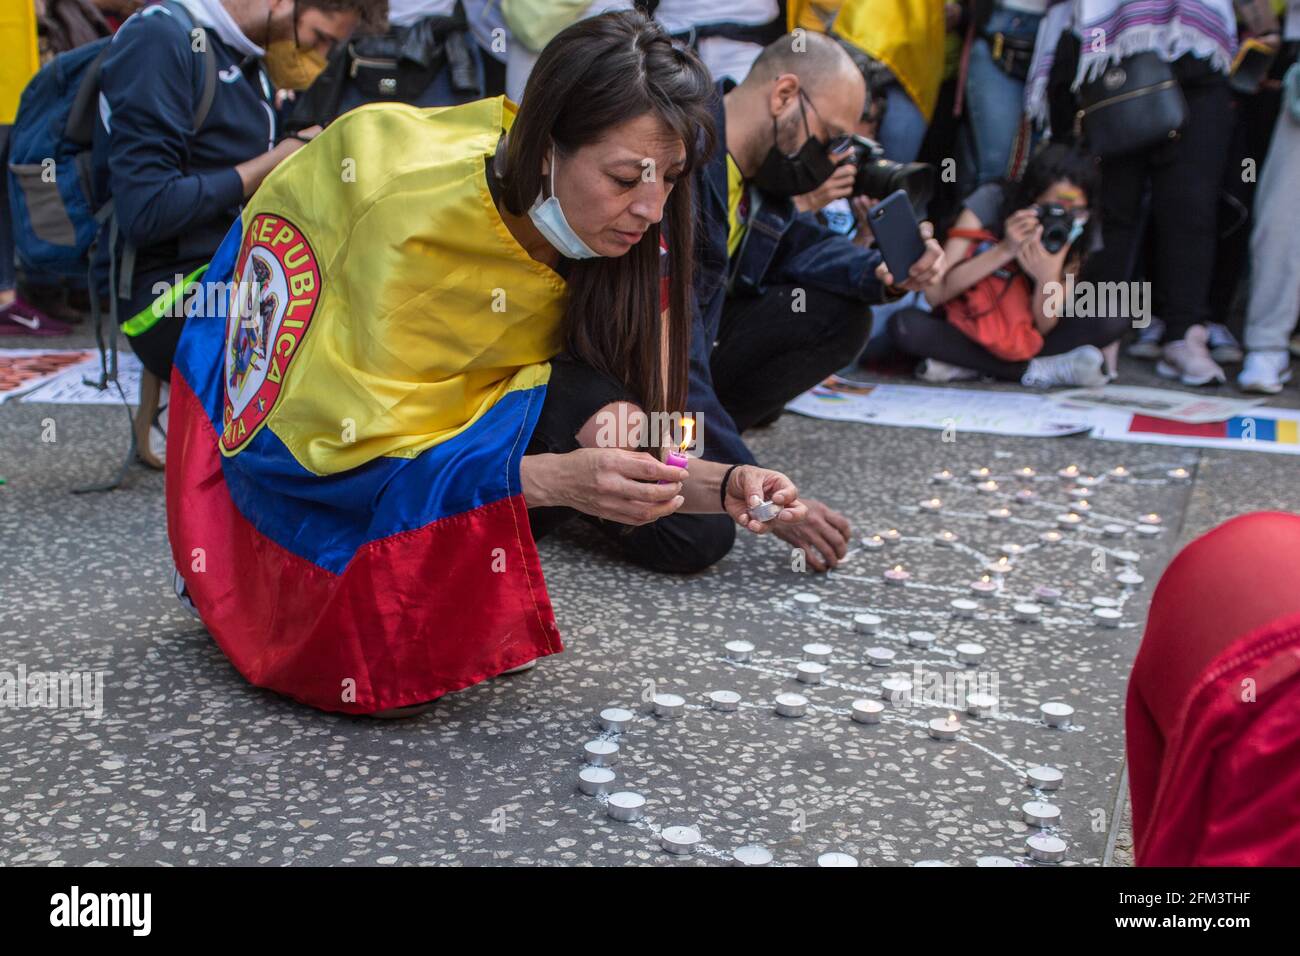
(837, 144)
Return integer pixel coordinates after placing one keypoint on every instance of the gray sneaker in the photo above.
(932, 370)
(1189, 360)
(1147, 345)
(1080, 366)
(1224, 347)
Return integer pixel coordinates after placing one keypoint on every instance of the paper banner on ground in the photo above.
(1273, 430)
(22, 370)
(69, 387)
(918, 406)
(1164, 403)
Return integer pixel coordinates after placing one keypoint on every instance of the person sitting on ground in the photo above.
(359, 451)
(1006, 308)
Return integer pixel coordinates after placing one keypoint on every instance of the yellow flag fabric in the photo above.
(813, 15)
(20, 60)
(905, 35)
(428, 309)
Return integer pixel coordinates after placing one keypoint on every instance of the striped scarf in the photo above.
(1110, 30)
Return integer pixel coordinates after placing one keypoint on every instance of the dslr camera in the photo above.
(1057, 222)
(879, 177)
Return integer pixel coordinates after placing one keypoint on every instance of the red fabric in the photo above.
(1215, 776)
(395, 622)
(998, 311)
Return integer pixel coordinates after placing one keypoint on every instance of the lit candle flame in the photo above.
(688, 431)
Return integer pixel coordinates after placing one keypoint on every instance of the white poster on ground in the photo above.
(1159, 402)
(918, 406)
(69, 387)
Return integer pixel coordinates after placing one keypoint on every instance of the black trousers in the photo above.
(930, 336)
(766, 354)
(1185, 178)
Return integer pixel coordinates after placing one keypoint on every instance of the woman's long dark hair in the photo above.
(596, 74)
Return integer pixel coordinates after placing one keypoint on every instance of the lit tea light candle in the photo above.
(921, 639)
(1078, 492)
(1026, 494)
(1002, 565)
(963, 607)
(805, 602)
(892, 536)
(896, 575)
(836, 859)
(765, 511)
(1069, 471)
(679, 840)
(880, 656)
(616, 719)
(1011, 549)
(1114, 530)
(994, 861)
(1106, 616)
(874, 543)
(1178, 474)
(1044, 778)
(945, 728)
(1151, 519)
(669, 705)
(791, 705)
(1056, 714)
(1126, 557)
(724, 700)
(625, 806)
(980, 474)
(866, 623)
(1045, 848)
(1071, 520)
(1040, 813)
(988, 487)
(739, 651)
(1147, 530)
(867, 711)
(1081, 506)
(1044, 594)
(809, 672)
(981, 705)
(1120, 472)
(1128, 578)
(945, 539)
(751, 856)
(984, 587)
(600, 753)
(896, 690)
(931, 504)
(999, 514)
(595, 780)
(1028, 612)
(1025, 472)
(821, 653)
(942, 477)
(1089, 481)
(970, 653)
(1051, 537)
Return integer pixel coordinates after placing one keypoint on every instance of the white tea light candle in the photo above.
(1056, 714)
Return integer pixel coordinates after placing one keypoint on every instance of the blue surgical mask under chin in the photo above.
(548, 217)
(1076, 230)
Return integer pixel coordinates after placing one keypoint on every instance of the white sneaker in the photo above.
(932, 370)
(526, 666)
(1147, 345)
(1224, 346)
(1265, 372)
(1189, 361)
(1081, 366)
(183, 594)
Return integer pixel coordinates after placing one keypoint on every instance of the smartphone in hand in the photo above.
(898, 235)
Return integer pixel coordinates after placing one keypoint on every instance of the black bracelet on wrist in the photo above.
(726, 477)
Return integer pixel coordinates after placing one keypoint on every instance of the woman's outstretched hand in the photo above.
(749, 486)
(609, 483)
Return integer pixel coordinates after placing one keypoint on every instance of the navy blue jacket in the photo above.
(808, 254)
(176, 191)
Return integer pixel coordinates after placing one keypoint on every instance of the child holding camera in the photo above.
(1003, 307)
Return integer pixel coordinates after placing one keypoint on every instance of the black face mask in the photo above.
(783, 175)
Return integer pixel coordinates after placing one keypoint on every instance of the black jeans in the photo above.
(1185, 179)
(930, 336)
(677, 544)
(766, 354)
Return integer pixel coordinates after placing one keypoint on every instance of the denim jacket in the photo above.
(780, 247)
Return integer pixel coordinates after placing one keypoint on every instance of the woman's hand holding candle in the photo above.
(748, 486)
(610, 483)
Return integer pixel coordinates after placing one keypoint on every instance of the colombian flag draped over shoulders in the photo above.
(349, 409)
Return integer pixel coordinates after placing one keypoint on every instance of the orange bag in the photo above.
(998, 311)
